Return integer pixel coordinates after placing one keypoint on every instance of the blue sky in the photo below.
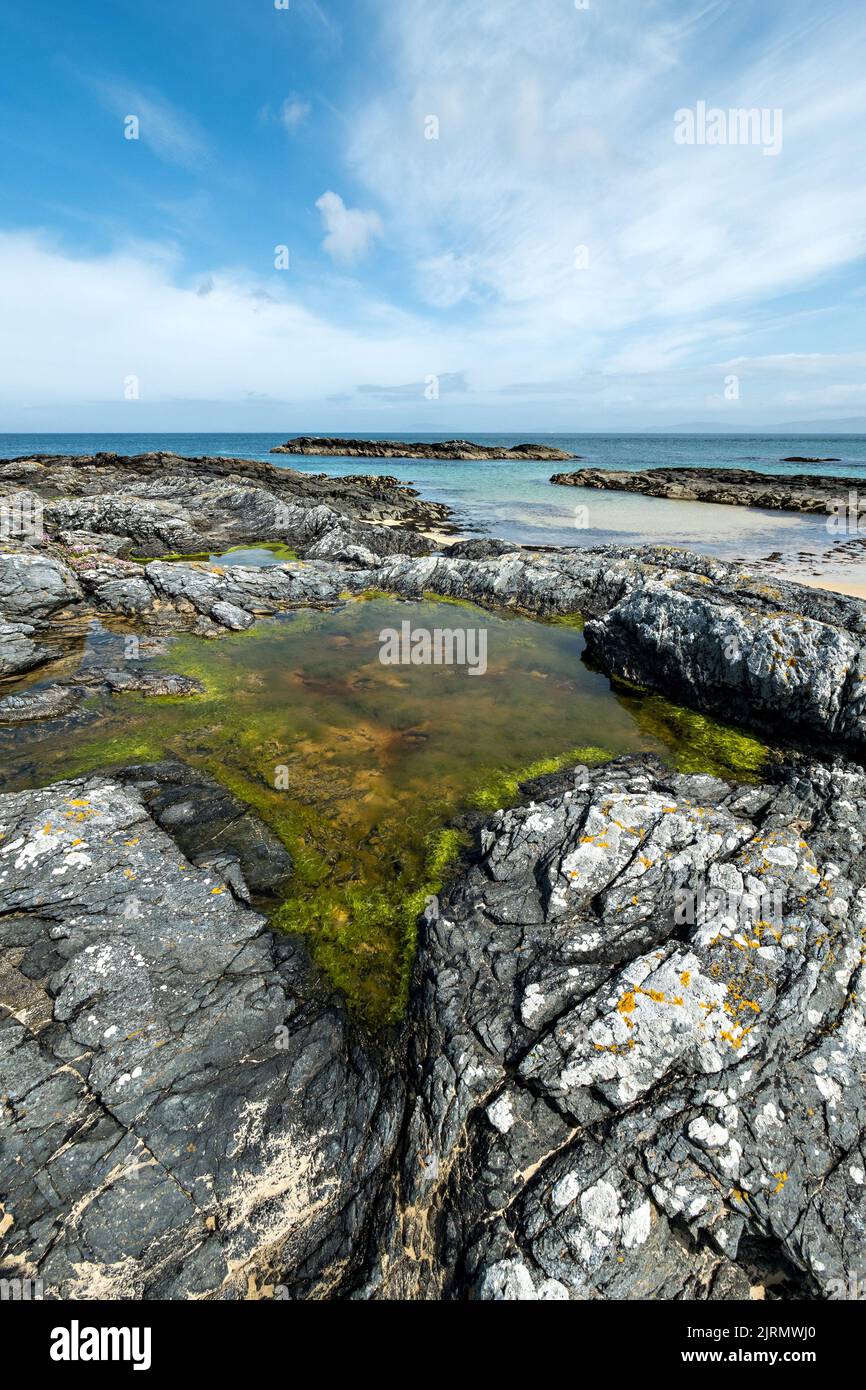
(554, 260)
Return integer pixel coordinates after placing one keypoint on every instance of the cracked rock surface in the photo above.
(183, 1112)
(608, 1101)
(633, 1064)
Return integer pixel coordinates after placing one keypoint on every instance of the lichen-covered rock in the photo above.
(632, 1065)
(184, 1112)
(638, 1046)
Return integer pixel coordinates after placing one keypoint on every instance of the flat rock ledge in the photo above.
(397, 449)
(735, 487)
(633, 1065)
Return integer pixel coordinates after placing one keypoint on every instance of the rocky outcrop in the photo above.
(157, 504)
(773, 655)
(321, 446)
(632, 1066)
(637, 1047)
(184, 1111)
(736, 487)
(34, 587)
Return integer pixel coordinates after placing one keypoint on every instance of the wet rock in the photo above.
(152, 682)
(207, 822)
(45, 702)
(19, 652)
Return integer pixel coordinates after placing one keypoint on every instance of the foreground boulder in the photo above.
(633, 1064)
(638, 1047)
(184, 1112)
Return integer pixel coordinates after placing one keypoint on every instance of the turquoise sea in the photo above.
(517, 502)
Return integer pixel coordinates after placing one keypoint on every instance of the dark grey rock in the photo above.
(623, 1075)
(397, 449)
(736, 487)
(616, 1097)
(152, 682)
(184, 1111)
(18, 650)
(34, 586)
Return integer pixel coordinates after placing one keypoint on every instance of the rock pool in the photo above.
(367, 771)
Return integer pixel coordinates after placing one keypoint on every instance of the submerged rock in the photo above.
(44, 702)
(209, 824)
(152, 682)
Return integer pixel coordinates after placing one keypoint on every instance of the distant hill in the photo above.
(855, 424)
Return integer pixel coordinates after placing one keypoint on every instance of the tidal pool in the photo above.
(361, 767)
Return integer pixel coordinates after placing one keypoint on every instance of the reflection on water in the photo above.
(358, 765)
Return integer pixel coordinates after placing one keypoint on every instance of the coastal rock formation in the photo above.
(396, 449)
(773, 655)
(736, 487)
(166, 504)
(632, 1065)
(637, 1046)
(184, 1111)
(633, 1060)
(770, 654)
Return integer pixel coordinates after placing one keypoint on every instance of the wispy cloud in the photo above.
(171, 133)
(551, 199)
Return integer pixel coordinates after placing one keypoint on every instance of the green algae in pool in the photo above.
(358, 766)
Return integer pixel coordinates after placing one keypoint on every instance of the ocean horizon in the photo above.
(516, 501)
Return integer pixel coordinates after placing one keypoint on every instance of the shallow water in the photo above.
(359, 765)
(517, 501)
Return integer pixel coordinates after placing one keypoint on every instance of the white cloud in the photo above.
(349, 232)
(556, 130)
(73, 328)
(293, 112)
